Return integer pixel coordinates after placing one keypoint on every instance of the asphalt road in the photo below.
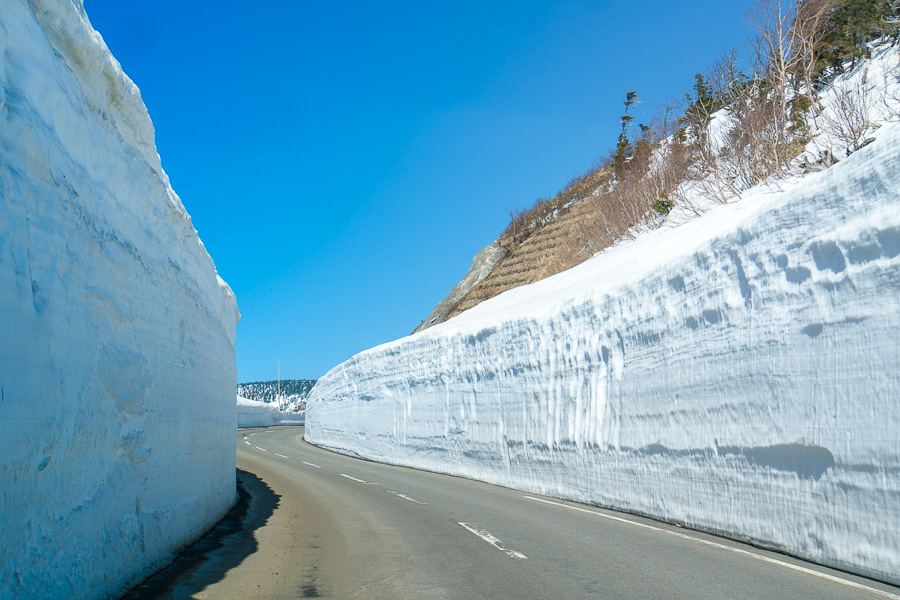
(339, 527)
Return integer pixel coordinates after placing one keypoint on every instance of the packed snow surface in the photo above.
(256, 413)
(117, 369)
(736, 374)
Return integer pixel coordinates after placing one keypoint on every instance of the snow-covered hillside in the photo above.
(736, 374)
(255, 413)
(117, 371)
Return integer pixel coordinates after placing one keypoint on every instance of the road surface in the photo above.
(347, 528)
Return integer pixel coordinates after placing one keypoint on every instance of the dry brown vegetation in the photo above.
(767, 116)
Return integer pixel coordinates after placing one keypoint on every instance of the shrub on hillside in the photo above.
(732, 132)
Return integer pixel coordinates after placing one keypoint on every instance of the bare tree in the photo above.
(890, 91)
(672, 163)
(517, 224)
(775, 46)
(756, 147)
(808, 32)
(849, 121)
(777, 60)
(725, 78)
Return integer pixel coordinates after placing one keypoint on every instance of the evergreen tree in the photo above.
(701, 105)
(703, 93)
(853, 23)
(663, 205)
(643, 149)
(623, 147)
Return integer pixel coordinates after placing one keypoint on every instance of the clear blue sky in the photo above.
(344, 161)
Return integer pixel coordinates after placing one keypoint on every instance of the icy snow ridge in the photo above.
(736, 374)
(117, 372)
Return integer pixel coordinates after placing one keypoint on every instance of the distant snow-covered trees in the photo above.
(267, 391)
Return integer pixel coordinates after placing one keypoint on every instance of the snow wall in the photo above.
(738, 374)
(254, 413)
(117, 369)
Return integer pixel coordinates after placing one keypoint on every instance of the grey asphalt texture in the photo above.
(325, 525)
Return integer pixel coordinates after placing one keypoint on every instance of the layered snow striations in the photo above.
(736, 374)
(117, 368)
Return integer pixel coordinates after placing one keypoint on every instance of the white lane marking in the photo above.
(258, 448)
(282, 456)
(353, 478)
(248, 443)
(767, 559)
(310, 464)
(492, 540)
(405, 497)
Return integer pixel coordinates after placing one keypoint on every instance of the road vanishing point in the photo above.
(326, 525)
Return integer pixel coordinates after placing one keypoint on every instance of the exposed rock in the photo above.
(482, 265)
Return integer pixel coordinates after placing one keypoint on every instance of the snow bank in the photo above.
(737, 374)
(117, 367)
(255, 413)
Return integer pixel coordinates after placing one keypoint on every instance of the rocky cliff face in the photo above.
(482, 266)
(117, 368)
(516, 260)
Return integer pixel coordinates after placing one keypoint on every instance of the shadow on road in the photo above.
(224, 547)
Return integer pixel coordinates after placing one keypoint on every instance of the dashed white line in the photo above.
(258, 448)
(405, 497)
(248, 443)
(353, 478)
(493, 541)
(767, 559)
(310, 464)
(282, 455)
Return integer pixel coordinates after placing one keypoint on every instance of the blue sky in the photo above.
(343, 162)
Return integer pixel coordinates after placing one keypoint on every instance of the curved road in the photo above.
(347, 528)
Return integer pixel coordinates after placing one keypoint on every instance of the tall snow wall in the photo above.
(738, 374)
(117, 370)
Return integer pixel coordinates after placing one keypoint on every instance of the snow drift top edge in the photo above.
(107, 88)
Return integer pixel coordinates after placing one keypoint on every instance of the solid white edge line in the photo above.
(492, 540)
(353, 478)
(282, 455)
(310, 464)
(767, 559)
